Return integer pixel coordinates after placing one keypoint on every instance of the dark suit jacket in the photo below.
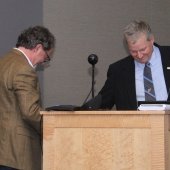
(119, 88)
(19, 113)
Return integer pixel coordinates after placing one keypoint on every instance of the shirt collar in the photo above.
(154, 56)
(152, 59)
(26, 57)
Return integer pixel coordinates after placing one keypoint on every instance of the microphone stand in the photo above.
(93, 82)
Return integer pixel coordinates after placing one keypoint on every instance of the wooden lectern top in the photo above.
(106, 112)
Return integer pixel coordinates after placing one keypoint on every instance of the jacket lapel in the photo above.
(165, 56)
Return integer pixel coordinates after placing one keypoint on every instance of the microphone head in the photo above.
(92, 59)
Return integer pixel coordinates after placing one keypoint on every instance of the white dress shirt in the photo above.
(157, 77)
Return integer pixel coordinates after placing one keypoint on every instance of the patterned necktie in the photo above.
(148, 84)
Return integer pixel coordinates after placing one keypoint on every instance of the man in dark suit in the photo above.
(124, 86)
(20, 128)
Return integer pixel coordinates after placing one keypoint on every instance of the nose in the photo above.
(139, 54)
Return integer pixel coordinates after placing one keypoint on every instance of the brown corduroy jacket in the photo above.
(19, 113)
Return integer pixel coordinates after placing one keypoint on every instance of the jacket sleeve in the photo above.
(107, 92)
(26, 89)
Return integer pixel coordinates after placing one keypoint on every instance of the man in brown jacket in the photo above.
(20, 144)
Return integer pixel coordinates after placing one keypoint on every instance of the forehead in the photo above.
(133, 39)
(139, 43)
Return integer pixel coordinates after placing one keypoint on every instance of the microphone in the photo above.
(92, 59)
(93, 104)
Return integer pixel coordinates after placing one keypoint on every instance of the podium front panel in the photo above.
(105, 140)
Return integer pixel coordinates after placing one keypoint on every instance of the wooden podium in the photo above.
(106, 140)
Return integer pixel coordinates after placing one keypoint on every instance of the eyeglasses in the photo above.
(48, 57)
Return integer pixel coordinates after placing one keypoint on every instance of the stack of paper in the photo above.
(154, 107)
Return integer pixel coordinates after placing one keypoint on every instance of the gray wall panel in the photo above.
(16, 15)
(83, 27)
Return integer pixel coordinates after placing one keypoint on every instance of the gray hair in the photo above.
(133, 30)
(32, 36)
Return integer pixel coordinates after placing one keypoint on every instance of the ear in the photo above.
(38, 47)
(152, 39)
